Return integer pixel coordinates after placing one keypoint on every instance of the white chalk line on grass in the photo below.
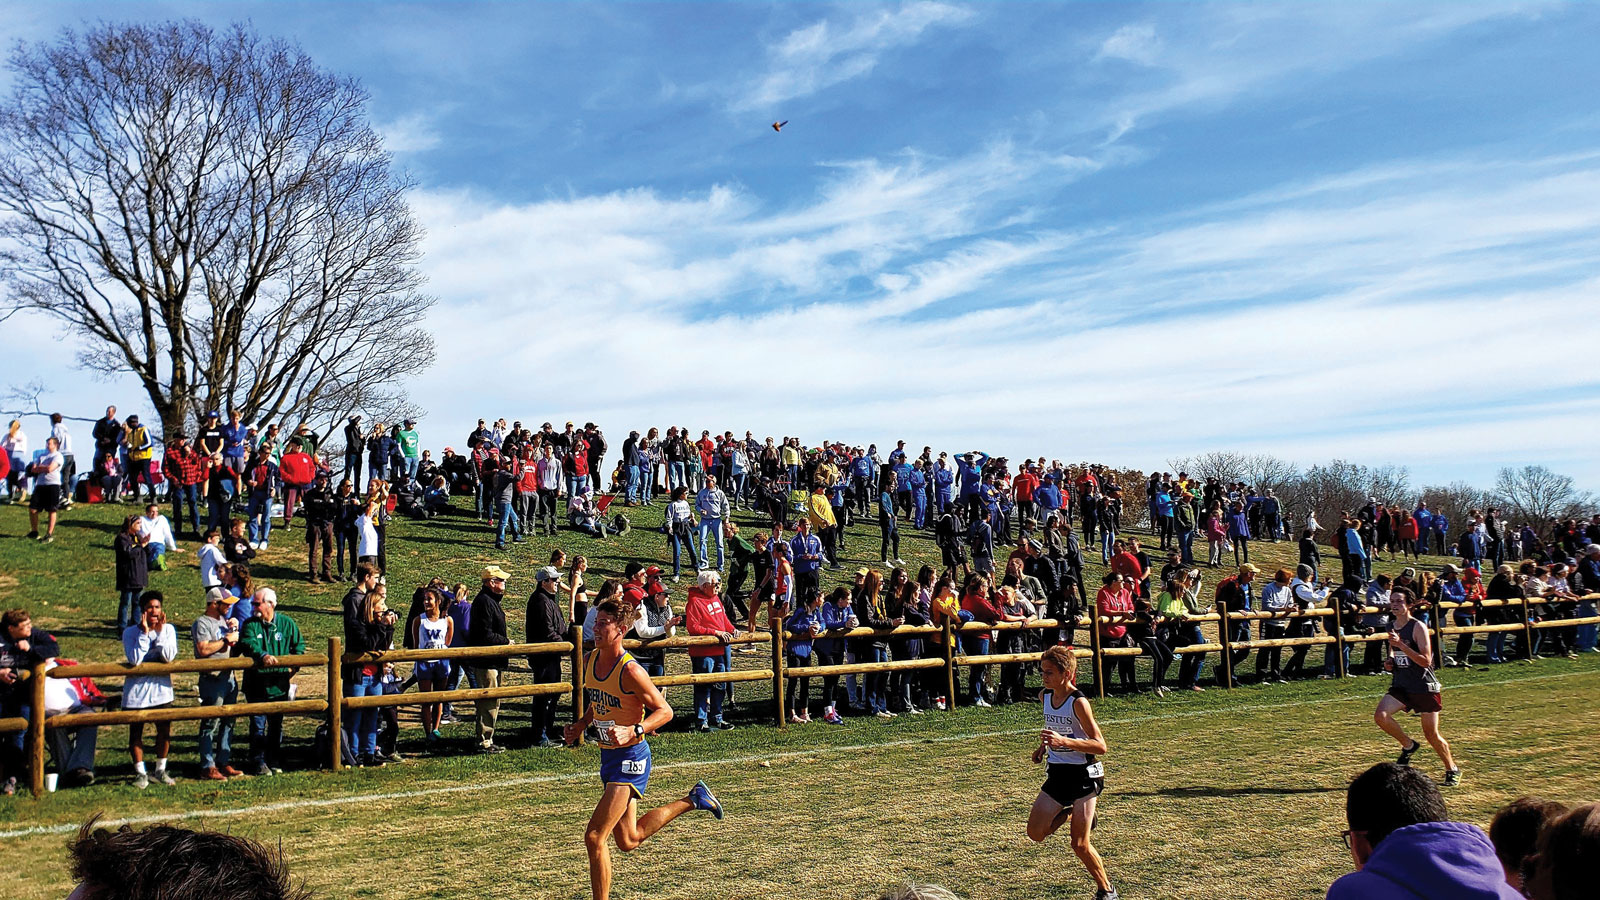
(291, 805)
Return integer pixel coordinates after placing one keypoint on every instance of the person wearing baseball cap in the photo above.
(545, 623)
(410, 447)
(487, 628)
(1238, 592)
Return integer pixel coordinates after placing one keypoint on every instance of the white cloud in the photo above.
(413, 133)
(1134, 43)
(825, 53)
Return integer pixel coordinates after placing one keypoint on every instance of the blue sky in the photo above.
(1106, 231)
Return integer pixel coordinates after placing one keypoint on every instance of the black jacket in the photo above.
(321, 507)
(544, 620)
(487, 628)
(133, 566)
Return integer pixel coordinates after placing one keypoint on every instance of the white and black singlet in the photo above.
(1072, 774)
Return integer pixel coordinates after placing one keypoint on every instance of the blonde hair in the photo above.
(1062, 657)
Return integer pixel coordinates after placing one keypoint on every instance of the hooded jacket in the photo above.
(1431, 861)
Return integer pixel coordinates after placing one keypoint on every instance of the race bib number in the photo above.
(1401, 661)
(633, 767)
(606, 736)
(1097, 770)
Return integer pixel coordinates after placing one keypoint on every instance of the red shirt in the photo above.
(528, 479)
(1113, 603)
(578, 460)
(1024, 485)
(297, 469)
(706, 449)
(1127, 565)
(703, 614)
(983, 610)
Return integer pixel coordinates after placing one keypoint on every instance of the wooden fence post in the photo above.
(1227, 645)
(1338, 639)
(36, 732)
(335, 705)
(575, 635)
(778, 685)
(950, 665)
(1096, 648)
(1438, 635)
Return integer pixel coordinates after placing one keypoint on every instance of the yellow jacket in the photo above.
(820, 511)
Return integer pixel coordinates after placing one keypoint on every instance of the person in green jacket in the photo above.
(410, 447)
(265, 637)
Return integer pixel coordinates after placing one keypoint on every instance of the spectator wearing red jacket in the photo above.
(977, 603)
(1126, 564)
(299, 474)
(1022, 488)
(703, 615)
(1116, 599)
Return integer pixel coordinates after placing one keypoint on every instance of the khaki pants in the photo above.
(488, 708)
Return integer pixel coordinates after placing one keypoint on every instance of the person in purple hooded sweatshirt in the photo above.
(1405, 849)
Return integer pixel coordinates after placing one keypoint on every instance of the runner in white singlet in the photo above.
(1072, 743)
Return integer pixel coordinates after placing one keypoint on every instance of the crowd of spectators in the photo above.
(809, 500)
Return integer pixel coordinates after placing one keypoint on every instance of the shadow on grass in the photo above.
(1206, 790)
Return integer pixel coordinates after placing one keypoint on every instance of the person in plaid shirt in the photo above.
(185, 470)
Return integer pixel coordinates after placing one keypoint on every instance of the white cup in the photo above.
(50, 779)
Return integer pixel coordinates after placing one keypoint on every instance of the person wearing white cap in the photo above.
(545, 623)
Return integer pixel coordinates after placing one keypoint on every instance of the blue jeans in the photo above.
(1186, 546)
(266, 737)
(635, 484)
(977, 646)
(678, 543)
(714, 528)
(507, 515)
(736, 487)
(794, 476)
(1330, 667)
(1495, 646)
(1588, 635)
(412, 462)
(216, 735)
(377, 471)
(260, 517)
(675, 477)
(575, 486)
(1108, 538)
(128, 608)
(361, 725)
(709, 696)
(877, 682)
(185, 494)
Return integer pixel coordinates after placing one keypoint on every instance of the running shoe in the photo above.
(1107, 895)
(702, 798)
(982, 703)
(1452, 778)
(1405, 755)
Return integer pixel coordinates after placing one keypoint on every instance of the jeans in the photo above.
(1238, 632)
(73, 747)
(1330, 664)
(736, 491)
(128, 608)
(979, 676)
(352, 467)
(1189, 669)
(575, 486)
(877, 682)
(361, 725)
(342, 540)
(1588, 635)
(708, 697)
(1108, 539)
(507, 516)
(260, 517)
(266, 736)
(1463, 618)
(675, 476)
(713, 527)
(635, 485)
(412, 462)
(216, 735)
(891, 536)
(185, 494)
(678, 543)
(377, 470)
(1495, 646)
(1186, 545)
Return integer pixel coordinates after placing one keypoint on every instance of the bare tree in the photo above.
(1539, 496)
(1454, 500)
(1224, 465)
(212, 212)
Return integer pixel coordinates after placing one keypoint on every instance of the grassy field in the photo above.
(1244, 786)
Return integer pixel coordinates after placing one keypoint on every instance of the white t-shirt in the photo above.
(211, 559)
(158, 530)
(366, 537)
(62, 435)
(53, 476)
(16, 445)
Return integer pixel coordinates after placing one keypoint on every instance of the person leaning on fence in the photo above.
(266, 636)
(545, 623)
(704, 615)
(1237, 591)
(21, 648)
(152, 640)
(1404, 846)
(655, 620)
(1277, 599)
(487, 628)
(215, 635)
(373, 632)
(1307, 597)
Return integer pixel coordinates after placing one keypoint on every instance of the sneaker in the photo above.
(702, 798)
(832, 717)
(49, 539)
(491, 748)
(449, 720)
(1107, 895)
(1452, 778)
(724, 725)
(939, 702)
(884, 714)
(913, 711)
(261, 770)
(265, 545)
(982, 703)
(702, 727)
(141, 780)
(899, 562)
(161, 775)
(1405, 755)
(796, 720)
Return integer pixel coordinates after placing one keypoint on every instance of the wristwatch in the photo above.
(638, 730)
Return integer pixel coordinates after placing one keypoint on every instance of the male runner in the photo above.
(1414, 686)
(1071, 741)
(624, 706)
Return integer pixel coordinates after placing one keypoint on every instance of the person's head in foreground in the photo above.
(913, 891)
(1562, 864)
(164, 862)
(1404, 846)
(1516, 829)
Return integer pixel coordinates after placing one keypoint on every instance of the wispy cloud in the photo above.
(827, 52)
(1134, 43)
(413, 133)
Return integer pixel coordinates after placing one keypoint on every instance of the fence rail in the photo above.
(947, 655)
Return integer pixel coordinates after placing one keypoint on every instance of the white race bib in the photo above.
(604, 727)
(1097, 770)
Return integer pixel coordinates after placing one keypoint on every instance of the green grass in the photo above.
(1244, 786)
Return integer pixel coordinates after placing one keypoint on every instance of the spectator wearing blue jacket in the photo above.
(836, 616)
(1355, 554)
(919, 496)
(970, 466)
(861, 472)
(803, 627)
(1424, 520)
(1441, 527)
(806, 552)
(1239, 532)
(944, 485)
